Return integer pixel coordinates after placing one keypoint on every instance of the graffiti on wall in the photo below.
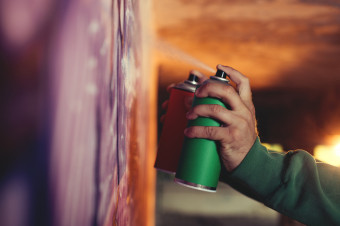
(93, 141)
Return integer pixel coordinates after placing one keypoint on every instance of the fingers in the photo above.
(207, 132)
(238, 133)
(227, 94)
(242, 84)
(212, 111)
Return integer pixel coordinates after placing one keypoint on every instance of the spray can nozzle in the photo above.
(193, 78)
(221, 74)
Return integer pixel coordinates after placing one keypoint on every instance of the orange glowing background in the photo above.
(273, 42)
(330, 152)
(290, 50)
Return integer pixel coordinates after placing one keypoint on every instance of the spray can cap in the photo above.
(189, 84)
(221, 74)
(193, 78)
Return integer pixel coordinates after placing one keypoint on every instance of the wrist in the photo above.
(233, 158)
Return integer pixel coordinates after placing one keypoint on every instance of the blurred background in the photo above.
(290, 50)
(81, 87)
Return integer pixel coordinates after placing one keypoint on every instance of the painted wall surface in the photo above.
(92, 113)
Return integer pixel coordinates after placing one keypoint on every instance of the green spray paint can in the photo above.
(199, 165)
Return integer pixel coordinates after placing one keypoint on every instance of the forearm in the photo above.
(293, 184)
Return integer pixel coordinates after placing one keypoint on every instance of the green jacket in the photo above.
(292, 183)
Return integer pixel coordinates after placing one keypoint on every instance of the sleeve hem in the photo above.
(250, 161)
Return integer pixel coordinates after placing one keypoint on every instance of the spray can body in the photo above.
(172, 136)
(199, 166)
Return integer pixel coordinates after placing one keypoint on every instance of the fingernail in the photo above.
(186, 132)
(188, 115)
(219, 66)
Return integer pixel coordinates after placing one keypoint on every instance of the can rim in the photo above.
(195, 186)
(186, 87)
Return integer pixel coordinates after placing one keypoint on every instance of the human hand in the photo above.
(238, 132)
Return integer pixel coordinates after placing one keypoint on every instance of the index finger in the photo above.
(242, 83)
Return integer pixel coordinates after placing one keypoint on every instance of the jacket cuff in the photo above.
(258, 174)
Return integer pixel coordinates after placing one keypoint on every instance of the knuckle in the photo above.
(233, 70)
(237, 135)
(228, 90)
(215, 108)
(208, 86)
(210, 131)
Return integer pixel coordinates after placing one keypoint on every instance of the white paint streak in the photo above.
(91, 88)
(104, 48)
(92, 62)
(93, 27)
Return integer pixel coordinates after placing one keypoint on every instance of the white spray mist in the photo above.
(175, 53)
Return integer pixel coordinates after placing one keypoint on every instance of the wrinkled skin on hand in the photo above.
(238, 131)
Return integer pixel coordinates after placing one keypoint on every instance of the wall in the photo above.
(88, 116)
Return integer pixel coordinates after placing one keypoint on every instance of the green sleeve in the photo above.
(291, 183)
